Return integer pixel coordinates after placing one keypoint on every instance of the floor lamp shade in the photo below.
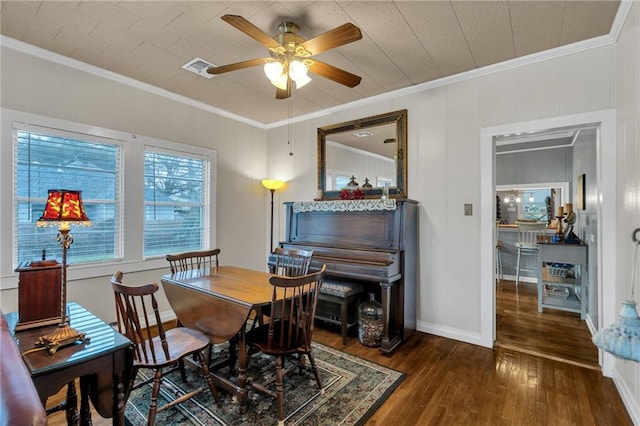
(64, 207)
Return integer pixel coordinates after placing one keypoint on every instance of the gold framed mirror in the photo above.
(373, 150)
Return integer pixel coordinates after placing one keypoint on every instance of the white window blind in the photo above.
(49, 159)
(175, 202)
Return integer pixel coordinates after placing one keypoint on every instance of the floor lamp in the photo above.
(64, 207)
(272, 185)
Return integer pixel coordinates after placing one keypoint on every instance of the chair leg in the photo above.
(279, 394)
(154, 396)
(343, 321)
(312, 361)
(207, 375)
(518, 269)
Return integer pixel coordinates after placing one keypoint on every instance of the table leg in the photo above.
(71, 405)
(118, 399)
(243, 394)
(85, 409)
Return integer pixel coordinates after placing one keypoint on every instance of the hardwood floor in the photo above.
(454, 383)
(552, 334)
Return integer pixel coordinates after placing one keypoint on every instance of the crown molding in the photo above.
(616, 28)
(38, 52)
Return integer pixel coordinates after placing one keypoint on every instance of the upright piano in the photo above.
(370, 241)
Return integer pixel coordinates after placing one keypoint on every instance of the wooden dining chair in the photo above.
(290, 262)
(288, 334)
(201, 260)
(137, 312)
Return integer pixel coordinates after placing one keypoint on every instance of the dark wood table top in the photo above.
(103, 340)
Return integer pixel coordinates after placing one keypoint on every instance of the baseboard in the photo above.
(627, 398)
(450, 333)
(532, 280)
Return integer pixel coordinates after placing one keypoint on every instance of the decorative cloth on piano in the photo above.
(344, 205)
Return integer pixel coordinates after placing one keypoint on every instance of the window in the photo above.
(145, 197)
(54, 160)
(175, 188)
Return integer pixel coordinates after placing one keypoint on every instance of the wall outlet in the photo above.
(468, 209)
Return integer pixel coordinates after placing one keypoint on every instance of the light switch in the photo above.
(468, 209)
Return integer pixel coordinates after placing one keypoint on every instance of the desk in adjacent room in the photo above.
(103, 362)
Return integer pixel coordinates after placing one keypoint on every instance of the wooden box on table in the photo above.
(38, 294)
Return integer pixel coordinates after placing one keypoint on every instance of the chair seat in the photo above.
(339, 288)
(184, 341)
(527, 246)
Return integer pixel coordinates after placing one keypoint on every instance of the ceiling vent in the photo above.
(200, 67)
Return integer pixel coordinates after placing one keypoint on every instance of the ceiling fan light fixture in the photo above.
(280, 82)
(297, 70)
(301, 82)
(273, 70)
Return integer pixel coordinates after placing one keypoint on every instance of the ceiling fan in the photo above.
(291, 55)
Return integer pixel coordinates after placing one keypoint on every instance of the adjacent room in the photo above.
(320, 212)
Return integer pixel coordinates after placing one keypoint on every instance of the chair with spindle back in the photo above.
(289, 330)
(527, 245)
(203, 259)
(137, 312)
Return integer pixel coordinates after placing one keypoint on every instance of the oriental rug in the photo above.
(353, 389)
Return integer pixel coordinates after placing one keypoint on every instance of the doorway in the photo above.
(603, 202)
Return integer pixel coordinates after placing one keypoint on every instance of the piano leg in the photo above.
(389, 342)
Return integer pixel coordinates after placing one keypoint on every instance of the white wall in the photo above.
(626, 66)
(38, 86)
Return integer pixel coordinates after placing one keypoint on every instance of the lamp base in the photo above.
(64, 335)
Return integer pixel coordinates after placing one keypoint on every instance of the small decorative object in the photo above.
(366, 184)
(570, 220)
(622, 338)
(64, 207)
(385, 191)
(352, 191)
(370, 322)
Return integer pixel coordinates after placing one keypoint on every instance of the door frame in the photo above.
(605, 121)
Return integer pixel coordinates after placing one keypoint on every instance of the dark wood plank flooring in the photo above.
(454, 383)
(552, 333)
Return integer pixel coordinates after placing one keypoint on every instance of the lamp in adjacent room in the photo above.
(64, 207)
(272, 185)
(622, 338)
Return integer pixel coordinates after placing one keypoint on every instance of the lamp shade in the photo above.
(64, 206)
(272, 184)
(622, 338)
(273, 70)
(297, 70)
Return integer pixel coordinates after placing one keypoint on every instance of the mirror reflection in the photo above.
(367, 154)
(370, 150)
(529, 202)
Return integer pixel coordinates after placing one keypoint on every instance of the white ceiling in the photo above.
(404, 43)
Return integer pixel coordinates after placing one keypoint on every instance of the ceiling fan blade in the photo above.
(338, 36)
(336, 74)
(284, 94)
(237, 66)
(251, 30)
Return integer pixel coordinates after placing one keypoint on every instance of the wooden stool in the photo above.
(335, 298)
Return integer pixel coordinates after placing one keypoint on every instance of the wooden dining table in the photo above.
(219, 301)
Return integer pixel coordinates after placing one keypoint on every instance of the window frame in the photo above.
(131, 188)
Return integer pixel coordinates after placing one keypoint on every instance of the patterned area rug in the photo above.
(354, 389)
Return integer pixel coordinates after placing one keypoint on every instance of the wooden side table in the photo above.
(107, 358)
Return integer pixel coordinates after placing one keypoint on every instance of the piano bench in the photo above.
(338, 304)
